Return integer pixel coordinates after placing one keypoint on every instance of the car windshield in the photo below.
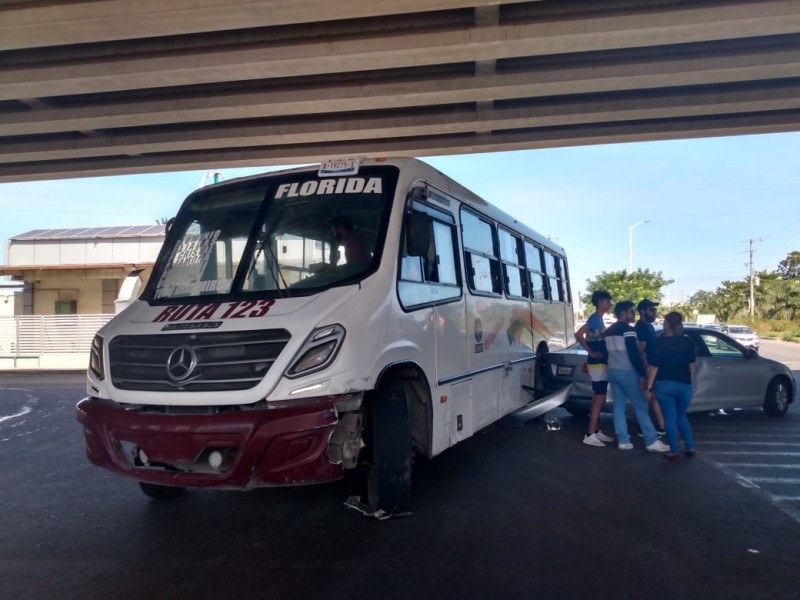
(740, 329)
(287, 235)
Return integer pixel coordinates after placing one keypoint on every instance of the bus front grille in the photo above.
(197, 362)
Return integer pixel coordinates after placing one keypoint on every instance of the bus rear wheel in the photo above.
(388, 468)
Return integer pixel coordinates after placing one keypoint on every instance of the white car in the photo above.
(744, 335)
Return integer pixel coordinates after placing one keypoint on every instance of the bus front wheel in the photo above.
(388, 470)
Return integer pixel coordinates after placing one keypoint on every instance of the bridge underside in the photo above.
(104, 87)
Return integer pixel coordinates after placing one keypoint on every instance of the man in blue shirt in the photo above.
(590, 337)
(646, 335)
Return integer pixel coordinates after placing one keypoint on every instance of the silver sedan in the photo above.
(727, 375)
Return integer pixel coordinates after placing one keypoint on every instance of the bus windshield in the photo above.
(276, 236)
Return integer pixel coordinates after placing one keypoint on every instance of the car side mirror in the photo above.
(752, 353)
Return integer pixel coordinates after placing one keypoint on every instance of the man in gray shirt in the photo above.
(626, 373)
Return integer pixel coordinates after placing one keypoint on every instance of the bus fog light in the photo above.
(215, 460)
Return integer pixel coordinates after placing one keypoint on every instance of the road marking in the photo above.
(741, 443)
(752, 453)
(760, 465)
(25, 410)
(745, 482)
(750, 430)
(775, 479)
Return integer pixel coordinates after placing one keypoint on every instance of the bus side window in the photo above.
(555, 276)
(480, 257)
(511, 256)
(431, 276)
(536, 278)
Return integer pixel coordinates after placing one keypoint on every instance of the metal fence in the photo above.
(39, 335)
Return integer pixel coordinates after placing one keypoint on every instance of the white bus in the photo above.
(309, 322)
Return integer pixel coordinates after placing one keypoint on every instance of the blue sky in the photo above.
(704, 200)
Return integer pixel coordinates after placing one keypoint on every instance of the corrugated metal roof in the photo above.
(86, 233)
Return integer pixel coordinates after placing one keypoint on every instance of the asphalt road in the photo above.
(514, 512)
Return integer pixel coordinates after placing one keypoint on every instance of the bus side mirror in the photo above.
(417, 235)
(168, 225)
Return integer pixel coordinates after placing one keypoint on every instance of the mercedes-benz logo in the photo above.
(181, 363)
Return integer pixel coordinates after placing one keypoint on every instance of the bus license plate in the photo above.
(564, 370)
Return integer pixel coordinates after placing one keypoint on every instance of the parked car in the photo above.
(744, 335)
(727, 375)
(715, 326)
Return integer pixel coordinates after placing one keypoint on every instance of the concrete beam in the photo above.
(410, 48)
(593, 76)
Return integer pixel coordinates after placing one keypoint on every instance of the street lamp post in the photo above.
(630, 243)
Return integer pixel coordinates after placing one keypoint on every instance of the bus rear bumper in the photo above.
(233, 450)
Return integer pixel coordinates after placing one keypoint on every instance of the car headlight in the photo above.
(96, 358)
(318, 351)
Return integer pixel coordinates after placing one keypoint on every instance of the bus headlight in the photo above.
(96, 358)
(318, 351)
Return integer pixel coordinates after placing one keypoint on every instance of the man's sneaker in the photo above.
(603, 437)
(658, 446)
(627, 446)
(593, 440)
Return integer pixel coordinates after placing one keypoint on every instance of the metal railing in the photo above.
(39, 335)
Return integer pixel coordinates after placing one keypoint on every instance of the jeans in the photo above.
(674, 398)
(626, 385)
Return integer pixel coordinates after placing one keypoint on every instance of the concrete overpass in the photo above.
(99, 87)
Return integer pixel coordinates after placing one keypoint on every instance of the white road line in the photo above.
(757, 466)
(24, 411)
(745, 482)
(752, 453)
(749, 431)
(786, 498)
(741, 443)
(774, 479)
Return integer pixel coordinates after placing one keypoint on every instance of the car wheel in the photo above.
(161, 491)
(388, 468)
(776, 402)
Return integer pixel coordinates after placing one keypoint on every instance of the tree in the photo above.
(622, 285)
(789, 267)
(730, 299)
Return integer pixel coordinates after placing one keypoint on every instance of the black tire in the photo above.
(540, 368)
(161, 491)
(776, 401)
(388, 468)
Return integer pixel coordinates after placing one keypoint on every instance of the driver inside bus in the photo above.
(355, 251)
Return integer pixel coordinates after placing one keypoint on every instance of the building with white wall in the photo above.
(80, 271)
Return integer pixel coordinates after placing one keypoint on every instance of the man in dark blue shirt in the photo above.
(646, 335)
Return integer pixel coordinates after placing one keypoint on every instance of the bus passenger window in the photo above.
(536, 278)
(483, 266)
(553, 266)
(510, 254)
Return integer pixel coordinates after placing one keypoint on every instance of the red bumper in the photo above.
(283, 446)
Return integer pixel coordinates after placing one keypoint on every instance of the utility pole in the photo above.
(752, 303)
